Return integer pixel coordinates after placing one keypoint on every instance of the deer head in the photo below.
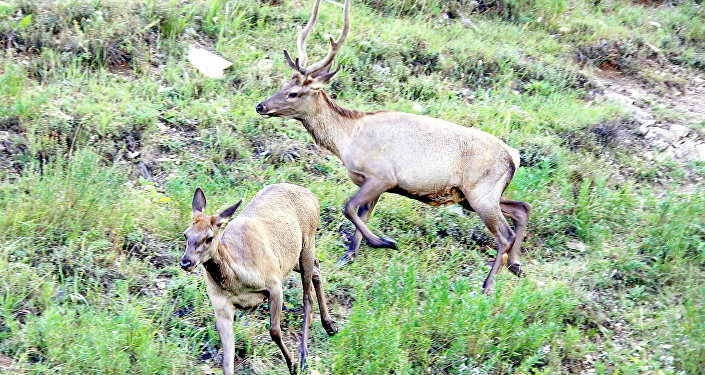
(297, 97)
(203, 230)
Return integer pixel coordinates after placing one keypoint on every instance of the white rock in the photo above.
(619, 98)
(660, 133)
(577, 246)
(208, 63)
(644, 129)
(655, 24)
(679, 130)
(700, 152)
(653, 48)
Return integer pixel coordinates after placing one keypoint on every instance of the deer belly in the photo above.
(445, 197)
(244, 301)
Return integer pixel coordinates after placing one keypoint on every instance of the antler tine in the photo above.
(303, 34)
(334, 45)
(293, 64)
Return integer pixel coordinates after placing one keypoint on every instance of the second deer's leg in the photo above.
(370, 190)
(276, 297)
(328, 323)
(364, 212)
(306, 281)
(224, 316)
(519, 212)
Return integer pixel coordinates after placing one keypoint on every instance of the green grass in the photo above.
(93, 92)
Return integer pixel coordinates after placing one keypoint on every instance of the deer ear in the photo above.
(320, 80)
(199, 201)
(225, 215)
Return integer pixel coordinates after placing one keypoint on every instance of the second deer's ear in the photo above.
(227, 213)
(199, 201)
(319, 81)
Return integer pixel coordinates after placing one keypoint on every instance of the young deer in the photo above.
(249, 260)
(424, 158)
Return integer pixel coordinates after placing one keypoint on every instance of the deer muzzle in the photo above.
(187, 264)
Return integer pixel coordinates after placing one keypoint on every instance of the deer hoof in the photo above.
(385, 243)
(487, 287)
(303, 364)
(332, 329)
(345, 260)
(516, 269)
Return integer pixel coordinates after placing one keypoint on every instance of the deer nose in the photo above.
(186, 263)
(259, 108)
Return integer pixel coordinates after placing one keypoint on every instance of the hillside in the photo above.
(106, 130)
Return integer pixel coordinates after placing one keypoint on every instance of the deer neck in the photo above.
(219, 266)
(331, 126)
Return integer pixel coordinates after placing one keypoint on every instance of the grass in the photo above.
(106, 130)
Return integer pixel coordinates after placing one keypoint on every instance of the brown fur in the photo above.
(248, 261)
(343, 112)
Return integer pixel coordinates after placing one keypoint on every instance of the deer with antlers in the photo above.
(420, 157)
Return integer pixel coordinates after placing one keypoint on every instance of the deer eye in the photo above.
(209, 240)
(292, 95)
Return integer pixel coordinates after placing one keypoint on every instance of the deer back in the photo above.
(268, 235)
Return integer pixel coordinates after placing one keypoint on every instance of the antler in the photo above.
(334, 45)
(300, 63)
(303, 34)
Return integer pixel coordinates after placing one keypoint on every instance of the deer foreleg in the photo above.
(370, 191)
(364, 212)
(224, 316)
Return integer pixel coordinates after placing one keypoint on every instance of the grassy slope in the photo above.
(88, 274)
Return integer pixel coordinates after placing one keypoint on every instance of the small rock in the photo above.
(619, 98)
(132, 155)
(468, 23)
(655, 24)
(679, 130)
(577, 246)
(660, 133)
(666, 154)
(700, 152)
(653, 48)
(644, 129)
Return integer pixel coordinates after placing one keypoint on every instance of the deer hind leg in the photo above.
(306, 264)
(307, 318)
(364, 212)
(370, 190)
(486, 203)
(326, 320)
(276, 297)
(519, 212)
